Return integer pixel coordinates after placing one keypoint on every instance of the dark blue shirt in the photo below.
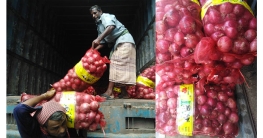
(28, 126)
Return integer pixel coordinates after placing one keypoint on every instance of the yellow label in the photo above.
(145, 81)
(218, 2)
(118, 90)
(68, 101)
(196, 1)
(185, 110)
(84, 75)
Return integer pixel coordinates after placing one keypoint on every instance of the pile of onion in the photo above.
(83, 74)
(233, 28)
(87, 113)
(216, 111)
(166, 108)
(145, 85)
(178, 29)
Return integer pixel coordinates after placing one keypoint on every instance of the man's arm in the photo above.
(35, 100)
(96, 42)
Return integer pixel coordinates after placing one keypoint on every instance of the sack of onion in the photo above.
(85, 73)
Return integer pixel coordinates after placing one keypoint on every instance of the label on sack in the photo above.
(84, 75)
(196, 1)
(118, 90)
(145, 81)
(219, 2)
(68, 101)
(185, 110)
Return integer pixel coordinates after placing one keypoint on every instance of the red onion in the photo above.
(172, 17)
(253, 46)
(159, 16)
(212, 102)
(172, 103)
(94, 105)
(179, 38)
(186, 51)
(162, 46)
(241, 46)
(233, 117)
(191, 40)
(224, 44)
(161, 27)
(207, 130)
(238, 10)
(213, 114)
(174, 49)
(231, 103)
(198, 124)
(206, 122)
(247, 59)
(205, 109)
(214, 16)
(222, 118)
(187, 25)
(220, 107)
(211, 93)
(228, 58)
(231, 32)
(201, 99)
(215, 123)
(226, 8)
(253, 23)
(250, 34)
(222, 96)
(84, 108)
(228, 128)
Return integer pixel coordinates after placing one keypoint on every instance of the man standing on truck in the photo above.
(46, 121)
(122, 69)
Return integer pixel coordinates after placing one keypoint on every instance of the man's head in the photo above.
(56, 125)
(53, 119)
(96, 12)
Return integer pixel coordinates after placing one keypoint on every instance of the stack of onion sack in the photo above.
(178, 28)
(233, 28)
(82, 109)
(180, 111)
(145, 84)
(85, 73)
